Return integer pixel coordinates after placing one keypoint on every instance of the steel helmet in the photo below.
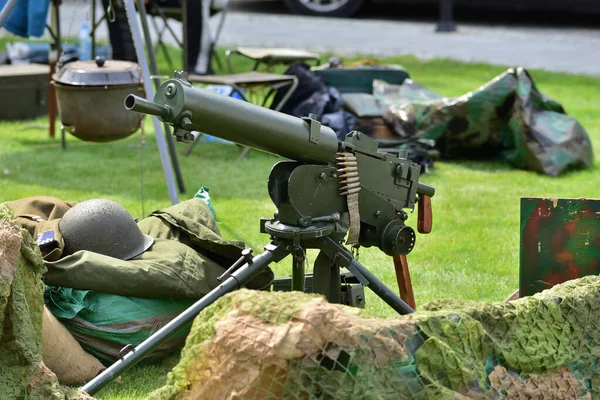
(104, 227)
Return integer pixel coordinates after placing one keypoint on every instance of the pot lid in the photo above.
(99, 73)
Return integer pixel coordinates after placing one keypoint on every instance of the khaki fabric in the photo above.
(39, 214)
(186, 258)
(191, 222)
(168, 269)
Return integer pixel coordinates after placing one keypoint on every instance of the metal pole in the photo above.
(160, 137)
(272, 253)
(446, 22)
(53, 58)
(8, 7)
(184, 23)
(93, 31)
(154, 70)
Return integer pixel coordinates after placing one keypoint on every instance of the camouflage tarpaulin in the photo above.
(507, 117)
(271, 345)
(23, 374)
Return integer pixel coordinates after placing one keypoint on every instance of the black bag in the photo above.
(308, 83)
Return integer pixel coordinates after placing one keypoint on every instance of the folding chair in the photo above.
(177, 10)
(271, 57)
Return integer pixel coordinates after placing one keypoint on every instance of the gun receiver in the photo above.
(348, 184)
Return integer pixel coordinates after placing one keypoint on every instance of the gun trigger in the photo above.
(425, 217)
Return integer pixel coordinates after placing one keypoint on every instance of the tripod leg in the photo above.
(274, 252)
(344, 258)
(326, 278)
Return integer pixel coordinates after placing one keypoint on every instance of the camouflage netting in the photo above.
(23, 374)
(262, 345)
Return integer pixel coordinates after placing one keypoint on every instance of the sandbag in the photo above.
(272, 345)
(63, 354)
(104, 323)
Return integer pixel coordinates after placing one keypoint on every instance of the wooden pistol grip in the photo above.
(425, 218)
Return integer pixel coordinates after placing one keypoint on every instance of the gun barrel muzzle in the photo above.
(141, 105)
(425, 190)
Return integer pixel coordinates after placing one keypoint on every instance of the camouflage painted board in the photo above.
(507, 118)
(560, 241)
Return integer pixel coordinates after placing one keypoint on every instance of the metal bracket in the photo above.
(246, 257)
(314, 126)
(128, 348)
(343, 257)
(182, 76)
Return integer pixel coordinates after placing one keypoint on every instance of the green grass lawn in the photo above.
(472, 253)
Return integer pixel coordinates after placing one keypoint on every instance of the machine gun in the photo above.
(326, 191)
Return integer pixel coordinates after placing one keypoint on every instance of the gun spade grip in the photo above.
(425, 217)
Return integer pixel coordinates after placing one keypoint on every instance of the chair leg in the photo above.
(160, 44)
(191, 146)
(218, 60)
(287, 94)
(244, 152)
(167, 56)
(216, 38)
(63, 138)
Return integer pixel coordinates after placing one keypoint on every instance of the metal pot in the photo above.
(90, 98)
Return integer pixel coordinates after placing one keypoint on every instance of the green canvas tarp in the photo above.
(104, 323)
(507, 118)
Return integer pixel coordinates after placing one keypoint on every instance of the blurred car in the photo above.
(348, 8)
